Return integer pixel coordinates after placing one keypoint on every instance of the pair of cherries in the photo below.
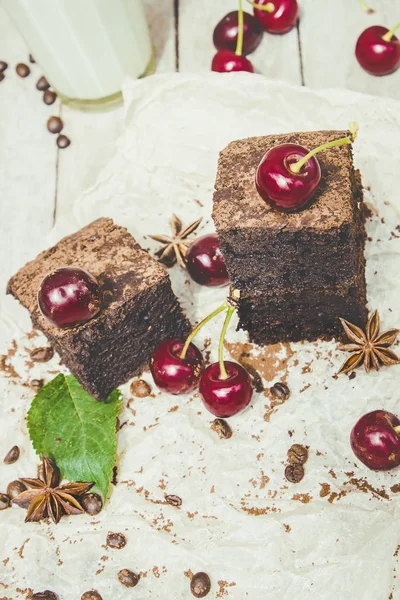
(178, 368)
(239, 33)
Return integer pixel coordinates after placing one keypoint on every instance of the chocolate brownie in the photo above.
(297, 272)
(139, 307)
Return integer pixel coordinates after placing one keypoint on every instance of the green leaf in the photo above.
(79, 433)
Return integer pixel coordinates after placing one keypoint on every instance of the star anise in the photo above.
(175, 246)
(370, 347)
(47, 498)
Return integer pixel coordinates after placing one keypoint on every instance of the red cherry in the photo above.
(225, 397)
(226, 32)
(226, 61)
(173, 374)
(281, 19)
(375, 441)
(279, 186)
(69, 296)
(205, 263)
(375, 54)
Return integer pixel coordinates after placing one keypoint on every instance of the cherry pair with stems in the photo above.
(177, 367)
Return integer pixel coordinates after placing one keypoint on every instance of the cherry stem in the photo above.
(239, 43)
(397, 429)
(223, 374)
(365, 7)
(269, 7)
(388, 36)
(297, 166)
(196, 330)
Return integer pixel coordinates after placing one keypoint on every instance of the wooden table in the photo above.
(41, 183)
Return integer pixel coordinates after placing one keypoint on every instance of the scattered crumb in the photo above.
(287, 527)
(303, 498)
(325, 490)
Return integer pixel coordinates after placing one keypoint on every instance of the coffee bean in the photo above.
(116, 540)
(280, 390)
(221, 427)
(63, 141)
(91, 595)
(42, 84)
(55, 125)
(22, 70)
(3, 66)
(46, 595)
(91, 503)
(297, 454)
(42, 355)
(12, 456)
(173, 500)
(4, 501)
(37, 384)
(31, 59)
(294, 473)
(140, 388)
(2, 76)
(200, 585)
(128, 578)
(15, 488)
(49, 97)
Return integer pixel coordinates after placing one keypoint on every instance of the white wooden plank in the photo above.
(93, 135)
(27, 158)
(277, 57)
(329, 32)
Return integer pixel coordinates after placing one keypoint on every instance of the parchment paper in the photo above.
(333, 536)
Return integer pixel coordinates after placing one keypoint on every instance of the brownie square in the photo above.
(293, 261)
(139, 307)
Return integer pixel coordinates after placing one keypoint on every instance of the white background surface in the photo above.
(334, 549)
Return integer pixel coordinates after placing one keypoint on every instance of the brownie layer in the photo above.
(298, 272)
(139, 308)
(283, 248)
(305, 315)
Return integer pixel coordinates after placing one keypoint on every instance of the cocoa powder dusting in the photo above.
(269, 362)
(303, 498)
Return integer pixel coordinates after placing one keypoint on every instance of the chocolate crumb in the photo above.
(114, 479)
(221, 427)
(91, 503)
(173, 500)
(31, 59)
(297, 454)
(352, 375)
(200, 585)
(294, 473)
(3, 66)
(42, 355)
(280, 390)
(116, 540)
(91, 595)
(128, 578)
(12, 456)
(46, 595)
(140, 388)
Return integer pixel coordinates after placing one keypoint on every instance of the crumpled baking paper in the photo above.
(333, 536)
